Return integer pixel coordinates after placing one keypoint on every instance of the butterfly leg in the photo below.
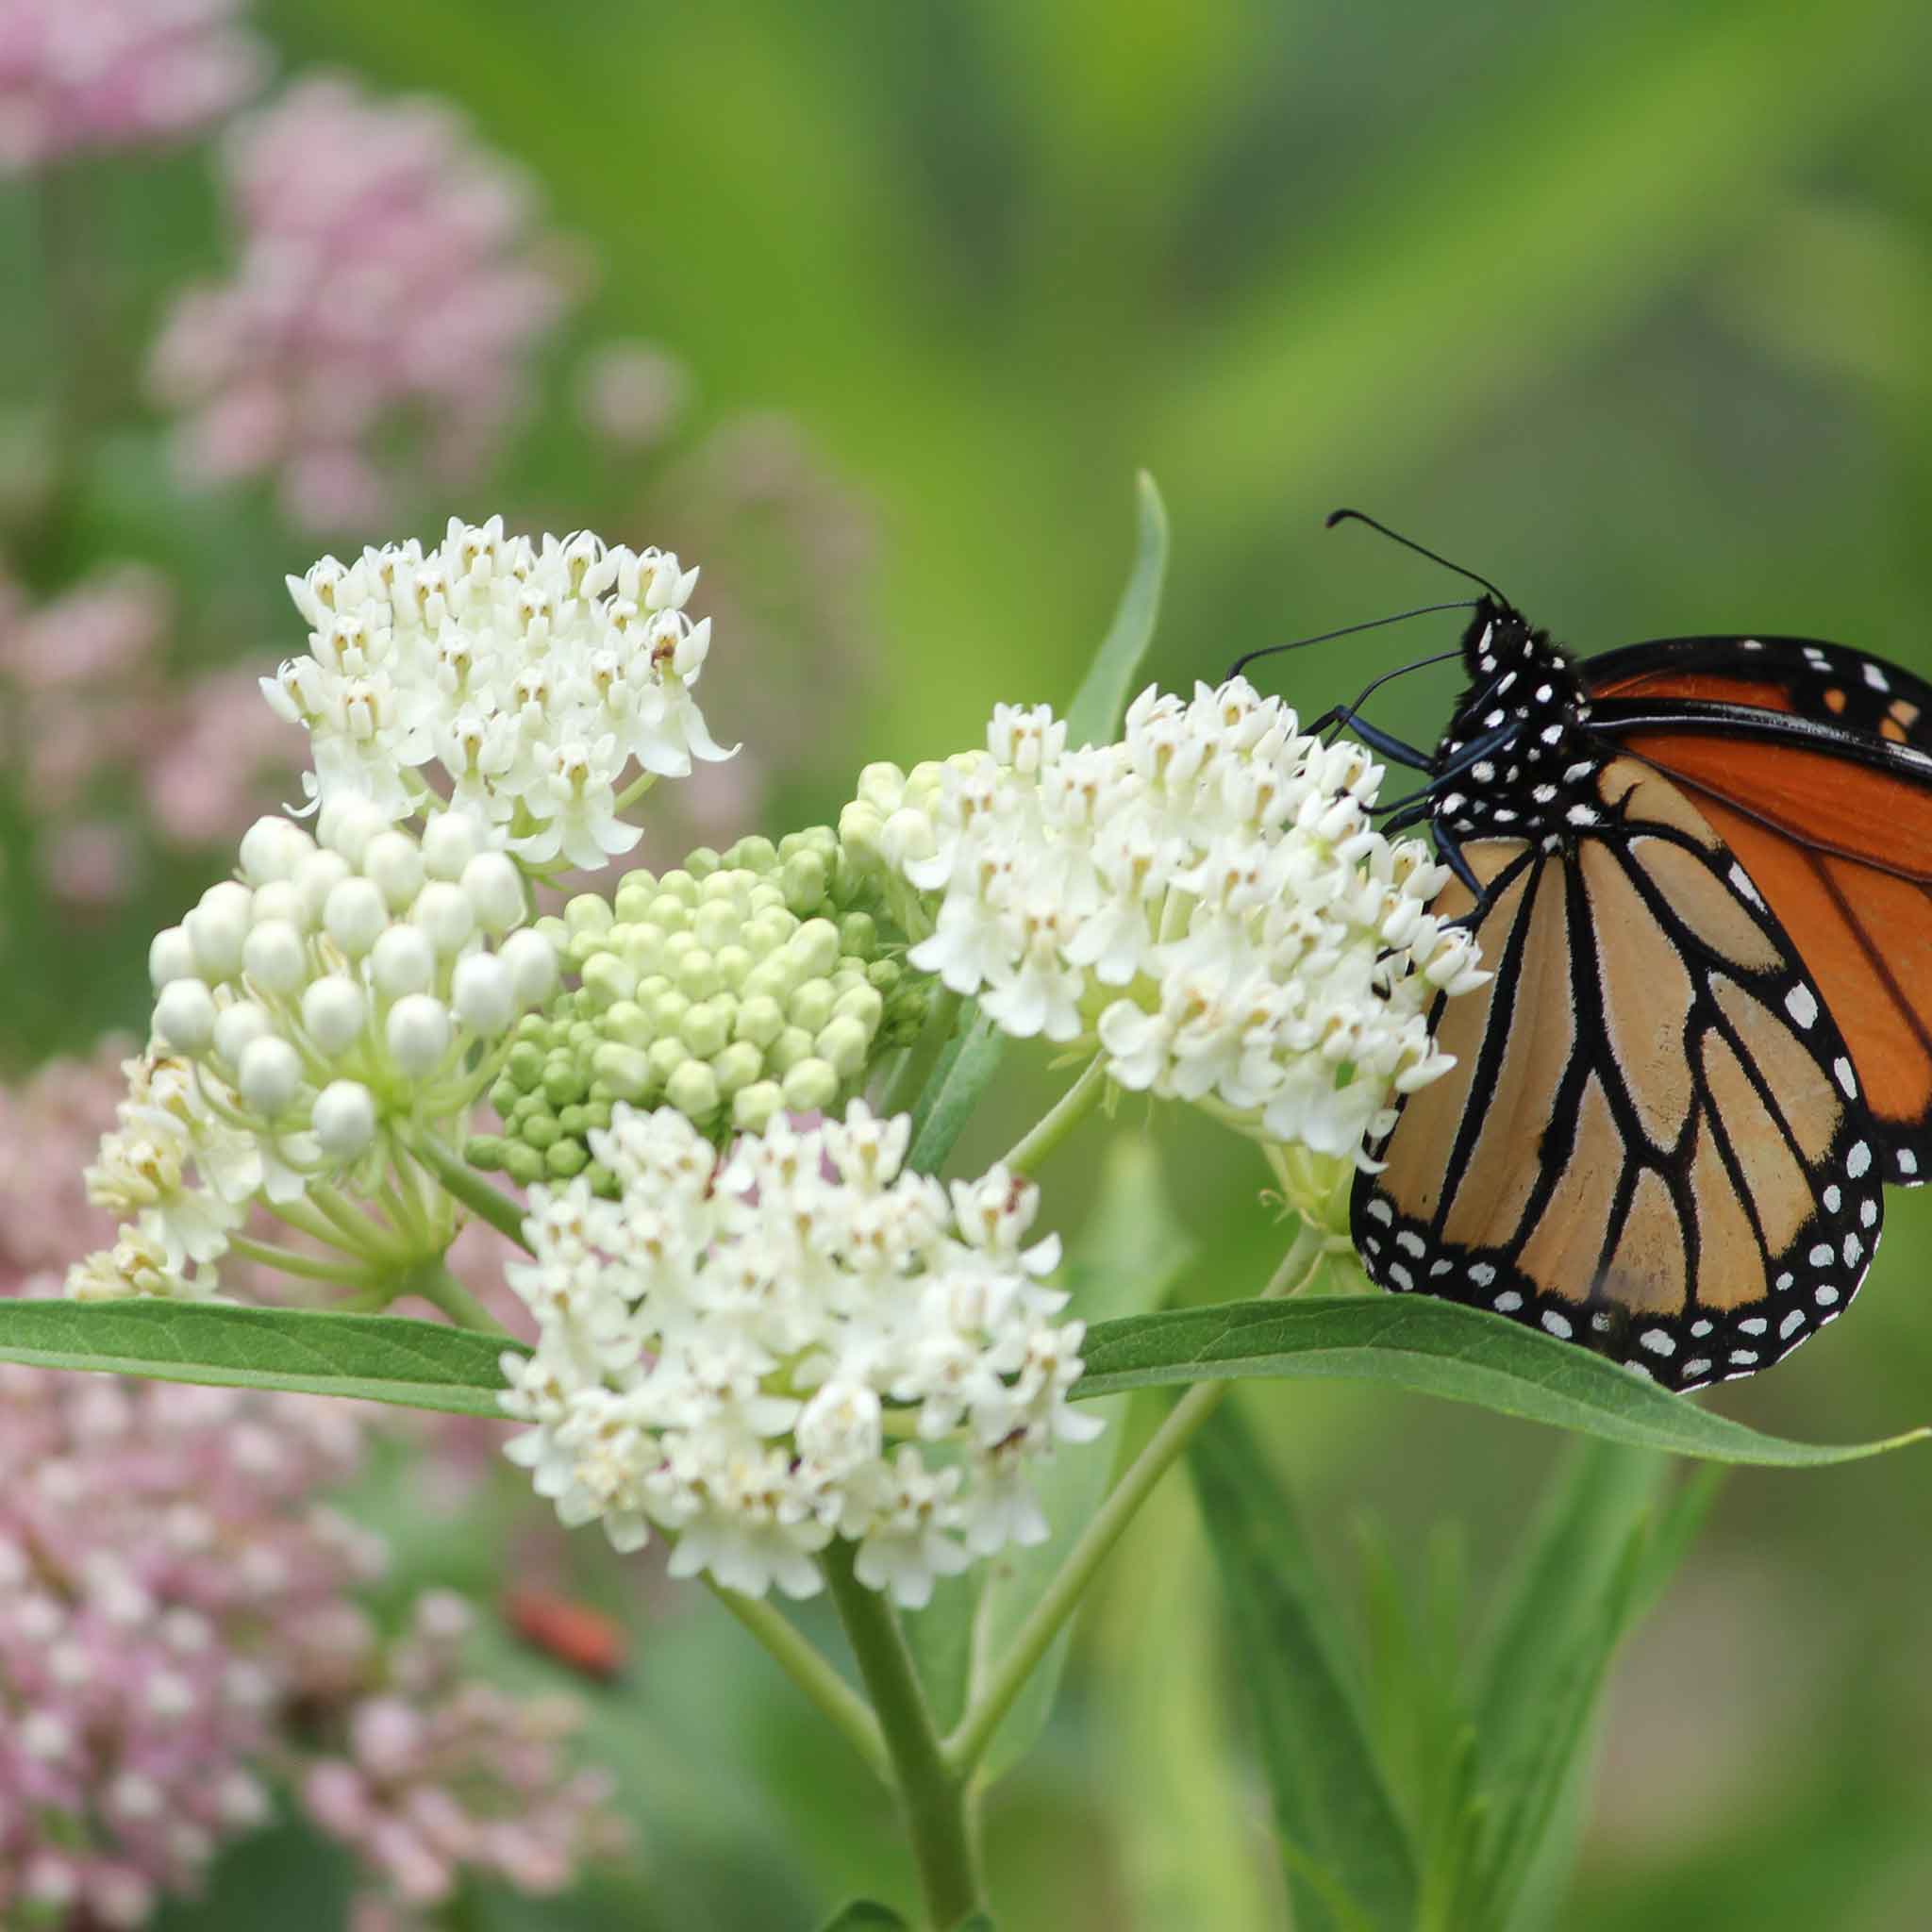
(1473, 753)
(1393, 749)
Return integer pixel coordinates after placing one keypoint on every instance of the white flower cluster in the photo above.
(333, 992)
(799, 1344)
(532, 674)
(1207, 899)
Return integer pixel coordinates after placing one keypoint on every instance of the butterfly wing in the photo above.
(1651, 1140)
(1814, 764)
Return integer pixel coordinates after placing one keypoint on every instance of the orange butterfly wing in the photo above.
(1809, 760)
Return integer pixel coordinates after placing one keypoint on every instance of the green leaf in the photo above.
(1094, 716)
(1435, 1348)
(1344, 1848)
(371, 1357)
(1588, 1568)
(864, 1915)
(1128, 1257)
(965, 1067)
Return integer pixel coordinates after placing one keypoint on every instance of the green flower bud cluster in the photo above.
(761, 978)
(887, 823)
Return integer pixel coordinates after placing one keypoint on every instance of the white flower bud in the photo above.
(238, 1027)
(315, 878)
(445, 913)
(450, 840)
(281, 900)
(275, 958)
(345, 1117)
(495, 890)
(393, 862)
(170, 957)
(332, 1009)
(271, 848)
(483, 990)
(419, 1034)
(347, 825)
(403, 961)
(355, 916)
(218, 928)
(270, 1075)
(532, 961)
(185, 1016)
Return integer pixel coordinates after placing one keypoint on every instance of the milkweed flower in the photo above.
(313, 1016)
(1205, 901)
(79, 75)
(799, 1341)
(528, 679)
(180, 1628)
(391, 280)
(734, 986)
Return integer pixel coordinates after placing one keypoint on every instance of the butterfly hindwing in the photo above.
(1652, 1140)
(1812, 762)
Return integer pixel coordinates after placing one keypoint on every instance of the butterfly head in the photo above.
(1517, 745)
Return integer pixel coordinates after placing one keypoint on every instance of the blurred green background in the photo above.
(1628, 307)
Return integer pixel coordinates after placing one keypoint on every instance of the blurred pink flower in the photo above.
(631, 395)
(111, 73)
(178, 1623)
(109, 754)
(387, 282)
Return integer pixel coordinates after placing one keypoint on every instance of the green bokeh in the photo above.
(1627, 306)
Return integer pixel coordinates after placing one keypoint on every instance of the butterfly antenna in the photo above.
(1345, 516)
(1235, 668)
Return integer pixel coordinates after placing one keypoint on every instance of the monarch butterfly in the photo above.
(1701, 872)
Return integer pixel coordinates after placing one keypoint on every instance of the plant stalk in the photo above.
(1067, 1113)
(969, 1743)
(935, 1798)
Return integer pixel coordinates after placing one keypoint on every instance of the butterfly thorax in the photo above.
(1525, 714)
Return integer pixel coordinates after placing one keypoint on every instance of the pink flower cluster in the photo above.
(440, 1774)
(174, 1590)
(91, 725)
(386, 285)
(111, 73)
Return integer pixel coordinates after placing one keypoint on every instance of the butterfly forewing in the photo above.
(1652, 1140)
(1810, 761)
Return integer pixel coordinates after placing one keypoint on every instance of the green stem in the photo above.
(440, 1289)
(850, 1714)
(1067, 1113)
(292, 1262)
(969, 1742)
(935, 1798)
(469, 1187)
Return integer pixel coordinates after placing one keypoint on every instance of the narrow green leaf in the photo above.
(865, 1915)
(1344, 1848)
(1590, 1565)
(965, 1067)
(1094, 716)
(1435, 1348)
(1128, 1257)
(371, 1357)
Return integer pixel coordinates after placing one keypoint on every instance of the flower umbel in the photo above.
(529, 678)
(313, 1015)
(1206, 901)
(801, 1341)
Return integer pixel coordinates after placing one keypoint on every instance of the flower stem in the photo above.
(850, 1714)
(440, 1289)
(934, 1796)
(1066, 1113)
(969, 1742)
(470, 1188)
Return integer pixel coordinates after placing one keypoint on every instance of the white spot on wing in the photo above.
(1825, 1294)
(1508, 1302)
(1658, 1341)
(1481, 1273)
(1841, 1068)
(1791, 1325)
(1859, 1158)
(1557, 1324)
(1801, 1004)
(1380, 1210)
(1876, 679)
